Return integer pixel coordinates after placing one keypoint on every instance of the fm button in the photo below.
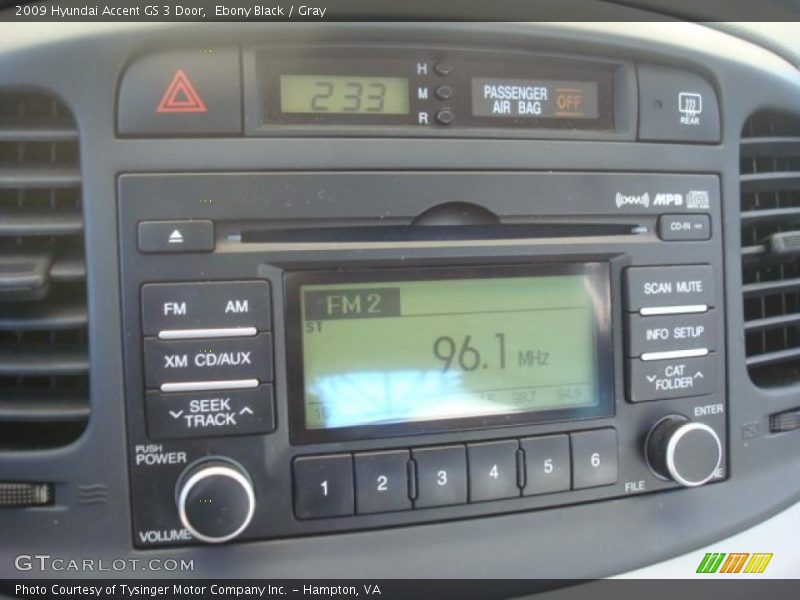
(169, 309)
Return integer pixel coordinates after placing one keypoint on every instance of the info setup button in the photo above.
(207, 414)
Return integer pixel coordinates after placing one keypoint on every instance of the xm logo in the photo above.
(735, 562)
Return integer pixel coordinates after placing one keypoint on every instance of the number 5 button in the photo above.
(441, 476)
(323, 486)
(547, 468)
(594, 458)
(382, 481)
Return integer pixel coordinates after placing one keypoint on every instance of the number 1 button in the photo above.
(323, 486)
(441, 476)
(382, 481)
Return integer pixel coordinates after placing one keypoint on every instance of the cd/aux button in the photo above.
(211, 359)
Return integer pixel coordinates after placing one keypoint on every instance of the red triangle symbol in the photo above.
(181, 97)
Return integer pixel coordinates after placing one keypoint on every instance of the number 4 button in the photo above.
(493, 471)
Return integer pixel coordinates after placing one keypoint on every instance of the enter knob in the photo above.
(687, 452)
(215, 500)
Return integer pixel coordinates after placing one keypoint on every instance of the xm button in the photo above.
(208, 360)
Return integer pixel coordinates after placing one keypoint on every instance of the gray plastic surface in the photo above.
(604, 538)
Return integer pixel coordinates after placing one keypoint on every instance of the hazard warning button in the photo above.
(186, 92)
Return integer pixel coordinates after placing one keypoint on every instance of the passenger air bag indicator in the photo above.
(530, 98)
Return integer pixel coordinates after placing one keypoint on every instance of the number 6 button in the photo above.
(441, 476)
(382, 481)
(594, 458)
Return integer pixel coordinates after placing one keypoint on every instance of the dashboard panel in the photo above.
(306, 262)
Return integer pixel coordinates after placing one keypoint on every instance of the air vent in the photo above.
(44, 360)
(770, 213)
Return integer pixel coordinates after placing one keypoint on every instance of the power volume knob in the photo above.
(686, 452)
(215, 500)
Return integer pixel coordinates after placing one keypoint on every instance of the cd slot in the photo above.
(414, 233)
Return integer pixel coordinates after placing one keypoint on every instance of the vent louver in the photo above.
(44, 360)
(770, 226)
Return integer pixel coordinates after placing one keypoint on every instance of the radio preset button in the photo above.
(680, 228)
(668, 333)
(382, 481)
(669, 286)
(441, 476)
(205, 305)
(209, 414)
(493, 470)
(323, 486)
(666, 379)
(205, 360)
(547, 464)
(594, 458)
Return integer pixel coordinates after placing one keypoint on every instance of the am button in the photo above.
(172, 308)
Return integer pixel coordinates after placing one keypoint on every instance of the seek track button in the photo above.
(207, 414)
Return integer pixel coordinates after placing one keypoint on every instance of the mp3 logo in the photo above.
(640, 200)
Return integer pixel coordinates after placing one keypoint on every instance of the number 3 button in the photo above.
(441, 476)
(382, 481)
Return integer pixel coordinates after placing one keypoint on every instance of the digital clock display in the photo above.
(343, 94)
(393, 352)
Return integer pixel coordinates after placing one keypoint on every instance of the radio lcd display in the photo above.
(414, 351)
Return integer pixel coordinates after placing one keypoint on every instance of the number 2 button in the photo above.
(441, 476)
(382, 481)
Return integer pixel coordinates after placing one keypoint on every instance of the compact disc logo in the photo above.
(640, 200)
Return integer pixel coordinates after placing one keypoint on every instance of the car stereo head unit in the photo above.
(331, 351)
(389, 352)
